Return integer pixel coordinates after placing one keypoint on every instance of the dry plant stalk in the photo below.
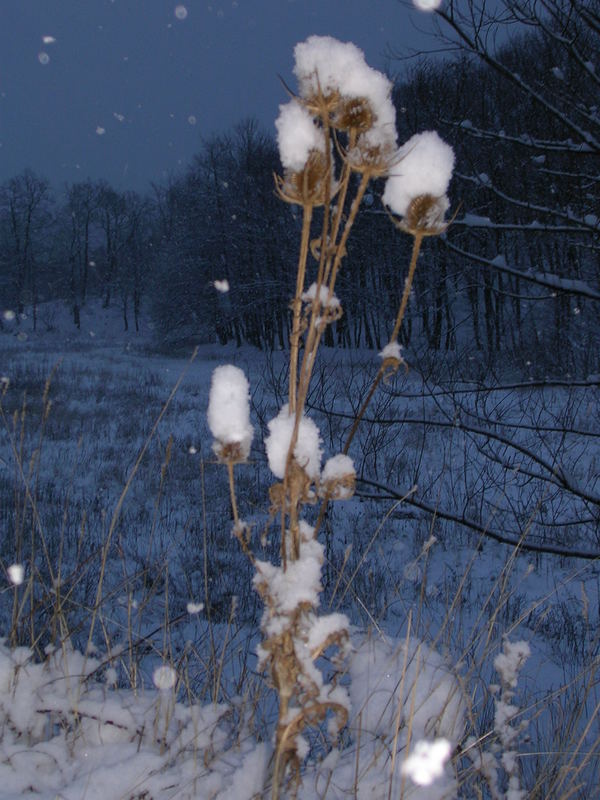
(345, 140)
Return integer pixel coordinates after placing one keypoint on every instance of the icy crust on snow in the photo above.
(229, 407)
(424, 167)
(297, 136)
(307, 451)
(326, 64)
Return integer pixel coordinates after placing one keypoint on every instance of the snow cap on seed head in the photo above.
(307, 451)
(229, 413)
(338, 478)
(297, 136)
(423, 170)
(362, 95)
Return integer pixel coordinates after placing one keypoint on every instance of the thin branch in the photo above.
(387, 493)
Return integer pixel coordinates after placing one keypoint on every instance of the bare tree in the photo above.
(80, 207)
(24, 215)
(518, 98)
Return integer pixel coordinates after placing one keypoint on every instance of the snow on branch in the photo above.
(569, 285)
(524, 140)
(478, 45)
(589, 223)
(478, 222)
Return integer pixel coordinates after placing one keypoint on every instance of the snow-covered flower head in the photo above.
(297, 136)
(334, 75)
(416, 190)
(338, 478)
(302, 146)
(307, 451)
(229, 413)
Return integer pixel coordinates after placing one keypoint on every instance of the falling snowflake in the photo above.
(16, 573)
(427, 5)
(164, 678)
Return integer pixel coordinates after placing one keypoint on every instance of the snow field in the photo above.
(111, 396)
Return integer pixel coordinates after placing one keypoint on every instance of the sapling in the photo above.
(334, 137)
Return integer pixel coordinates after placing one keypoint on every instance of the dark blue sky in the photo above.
(130, 87)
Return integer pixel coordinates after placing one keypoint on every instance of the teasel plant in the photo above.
(335, 136)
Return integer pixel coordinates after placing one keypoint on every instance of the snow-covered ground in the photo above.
(133, 563)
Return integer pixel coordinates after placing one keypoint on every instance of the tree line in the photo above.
(517, 274)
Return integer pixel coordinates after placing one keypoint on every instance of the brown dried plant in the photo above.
(335, 180)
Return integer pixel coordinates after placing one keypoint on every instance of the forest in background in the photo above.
(516, 280)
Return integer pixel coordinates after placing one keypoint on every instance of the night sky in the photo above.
(126, 90)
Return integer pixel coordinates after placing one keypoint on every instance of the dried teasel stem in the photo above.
(417, 242)
(332, 262)
(297, 304)
(232, 496)
(384, 368)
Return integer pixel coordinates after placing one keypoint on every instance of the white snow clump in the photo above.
(229, 409)
(326, 64)
(337, 467)
(307, 450)
(16, 573)
(164, 678)
(297, 136)
(425, 165)
(300, 583)
(509, 663)
(426, 762)
(387, 673)
(392, 350)
(427, 5)
(402, 692)
(329, 302)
